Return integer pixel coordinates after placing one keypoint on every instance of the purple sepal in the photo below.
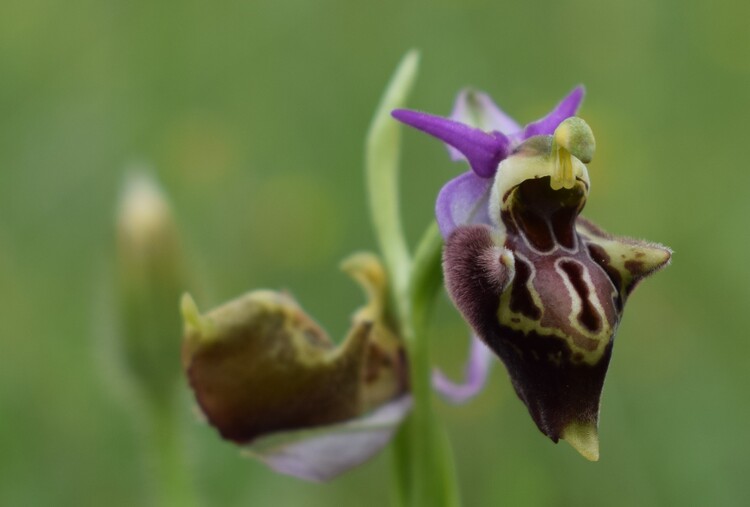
(321, 454)
(483, 150)
(475, 375)
(463, 200)
(476, 109)
(565, 109)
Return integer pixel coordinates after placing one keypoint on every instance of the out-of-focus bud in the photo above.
(262, 369)
(150, 279)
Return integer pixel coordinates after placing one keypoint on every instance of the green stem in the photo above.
(170, 481)
(423, 470)
(402, 465)
(433, 475)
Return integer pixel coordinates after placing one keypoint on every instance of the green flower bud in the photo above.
(149, 281)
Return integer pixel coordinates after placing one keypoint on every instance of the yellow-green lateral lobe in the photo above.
(626, 260)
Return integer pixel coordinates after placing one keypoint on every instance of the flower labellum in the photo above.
(268, 378)
(543, 287)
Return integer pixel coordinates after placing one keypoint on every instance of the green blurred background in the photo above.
(253, 116)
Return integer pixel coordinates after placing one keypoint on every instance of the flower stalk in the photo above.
(170, 478)
(422, 459)
(435, 482)
(151, 274)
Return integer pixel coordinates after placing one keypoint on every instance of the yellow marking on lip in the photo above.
(562, 174)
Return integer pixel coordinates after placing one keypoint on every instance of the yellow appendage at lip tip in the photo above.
(584, 438)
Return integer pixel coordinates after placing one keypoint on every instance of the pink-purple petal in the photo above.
(463, 200)
(321, 454)
(478, 110)
(475, 375)
(483, 150)
(565, 109)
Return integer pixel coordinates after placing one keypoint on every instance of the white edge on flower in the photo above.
(321, 454)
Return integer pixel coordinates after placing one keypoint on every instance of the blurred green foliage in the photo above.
(254, 114)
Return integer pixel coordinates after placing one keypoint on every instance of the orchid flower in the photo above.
(268, 378)
(542, 287)
(488, 135)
